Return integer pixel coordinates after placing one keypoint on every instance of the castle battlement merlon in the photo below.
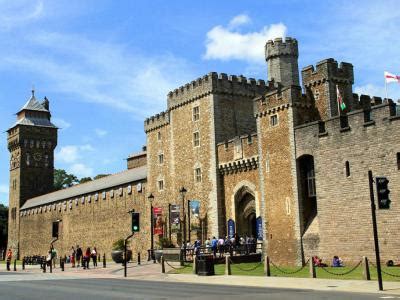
(214, 83)
(326, 70)
(279, 47)
(156, 121)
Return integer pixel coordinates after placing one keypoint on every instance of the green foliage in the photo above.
(164, 242)
(85, 179)
(63, 180)
(100, 176)
(119, 244)
(3, 225)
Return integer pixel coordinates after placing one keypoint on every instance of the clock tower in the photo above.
(31, 142)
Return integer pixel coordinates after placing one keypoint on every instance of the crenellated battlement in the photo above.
(280, 47)
(156, 121)
(374, 112)
(217, 84)
(327, 69)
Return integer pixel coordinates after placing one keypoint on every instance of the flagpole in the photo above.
(386, 88)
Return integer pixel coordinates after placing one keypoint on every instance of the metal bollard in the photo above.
(148, 255)
(23, 263)
(366, 274)
(313, 273)
(267, 267)
(154, 256)
(44, 267)
(228, 270)
(104, 260)
(62, 265)
(138, 258)
(194, 271)
(51, 265)
(162, 264)
(15, 265)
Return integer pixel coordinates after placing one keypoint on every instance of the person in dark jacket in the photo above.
(78, 255)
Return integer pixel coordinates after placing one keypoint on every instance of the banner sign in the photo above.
(259, 228)
(231, 228)
(194, 215)
(158, 221)
(174, 217)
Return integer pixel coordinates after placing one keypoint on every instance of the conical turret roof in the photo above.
(33, 104)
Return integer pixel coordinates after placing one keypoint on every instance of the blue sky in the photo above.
(106, 65)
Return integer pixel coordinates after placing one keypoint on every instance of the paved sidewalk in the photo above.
(152, 272)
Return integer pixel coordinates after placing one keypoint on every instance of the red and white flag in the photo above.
(391, 77)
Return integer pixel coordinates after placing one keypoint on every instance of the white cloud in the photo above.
(80, 170)
(239, 20)
(61, 123)
(101, 132)
(227, 44)
(72, 153)
(100, 72)
(19, 12)
(370, 89)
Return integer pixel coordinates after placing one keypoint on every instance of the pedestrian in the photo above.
(72, 257)
(53, 255)
(94, 257)
(221, 246)
(78, 255)
(214, 245)
(9, 257)
(86, 258)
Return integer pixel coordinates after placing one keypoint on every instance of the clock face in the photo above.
(37, 156)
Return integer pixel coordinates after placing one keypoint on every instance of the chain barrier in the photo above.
(289, 272)
(384, 272)
(344, 273)
(175, 268)
(246, 270)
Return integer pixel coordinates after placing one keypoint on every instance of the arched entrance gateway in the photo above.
(245, 212)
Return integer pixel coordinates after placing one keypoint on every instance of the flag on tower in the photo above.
(391, 77)
(341, 104)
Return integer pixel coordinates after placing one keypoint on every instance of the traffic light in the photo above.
(383, 192)
(135, 222)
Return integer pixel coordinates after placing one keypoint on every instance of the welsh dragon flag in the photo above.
(341, 104)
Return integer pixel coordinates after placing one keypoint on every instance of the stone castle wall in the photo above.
(90, 220)
(343, 222)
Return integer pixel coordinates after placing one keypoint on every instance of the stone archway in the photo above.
(245, 213)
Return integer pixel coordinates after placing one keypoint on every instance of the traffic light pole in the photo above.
(375, 227)
(125, 253)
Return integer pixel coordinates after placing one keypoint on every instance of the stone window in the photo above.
(267, 165)
(398, 160)
(103, 194)
(161, 185)
(28, 159)
(13, 213)
(159, 136)
(196, 113)
(249, 139)
(274, 120)
(347, 165)
(111, 193)
(161, 158)
(196, 139)
(311, 183)
(14, 184)
(197, 174)
(316, 95)
(129, 189)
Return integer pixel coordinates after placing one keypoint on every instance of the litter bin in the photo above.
(205, 265)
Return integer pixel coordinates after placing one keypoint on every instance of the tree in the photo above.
(85, 179)
(3, 226)
(63, 180)
(100, 176)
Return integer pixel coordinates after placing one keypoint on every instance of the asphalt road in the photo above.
(99, 289)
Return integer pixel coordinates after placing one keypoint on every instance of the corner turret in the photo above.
(282, 61)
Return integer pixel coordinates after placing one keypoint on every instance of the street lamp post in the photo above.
(183, 191)
(151, 198)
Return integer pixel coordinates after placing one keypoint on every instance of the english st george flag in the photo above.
(391, 77)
